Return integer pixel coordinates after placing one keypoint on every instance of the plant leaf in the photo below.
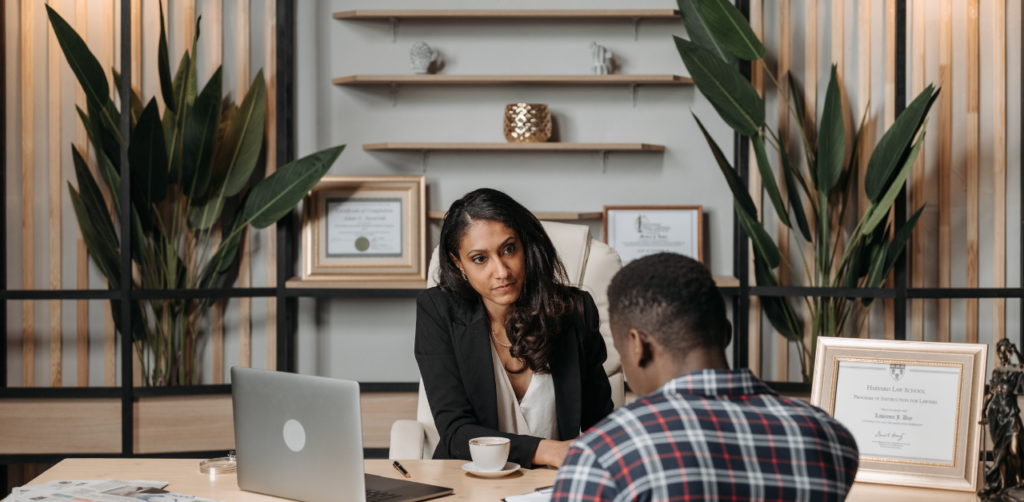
(831, 137)
(240, 149)
(277, 194)
(778, 310)
(794, 197)
(200, 136)
(174, 151)
(203, 213)
(147, 158)
(93, 203)
(733, 97)
(893, 145)
(899, 241)
(768, 180)
(739, 189)
(136, 102)
(763, 244)
(164, 65)
(878, 211)
(102, 253)
(728, 25)
(700, 33)
(86, 67)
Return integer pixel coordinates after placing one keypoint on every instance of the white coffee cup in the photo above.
(489, 453)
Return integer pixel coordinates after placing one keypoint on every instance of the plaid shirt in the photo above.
(711, 435)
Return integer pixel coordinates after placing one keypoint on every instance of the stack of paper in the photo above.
(107, 490)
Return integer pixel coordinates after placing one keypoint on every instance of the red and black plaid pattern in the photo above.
(711, 435)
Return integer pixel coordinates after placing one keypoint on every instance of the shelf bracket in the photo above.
(394, 29)
(602, 156)
(394, 95)
(423, 160)
(633, 88)
(636, 28)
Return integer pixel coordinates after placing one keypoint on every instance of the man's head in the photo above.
(667, 319)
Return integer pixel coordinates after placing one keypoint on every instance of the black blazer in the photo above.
(453, 350)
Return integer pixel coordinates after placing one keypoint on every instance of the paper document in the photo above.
(542, 495)
(107, 490)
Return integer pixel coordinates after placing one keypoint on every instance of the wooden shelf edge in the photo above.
(550, 216)
(298, 283)
(726, 281)
(539, 14)
(515, 147)
(512, 80)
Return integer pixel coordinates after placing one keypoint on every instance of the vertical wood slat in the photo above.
(109, 332)
(216, 52)
(136, 14)
(81, 253)
(863, 103)
(999, 166)
(188, 8)
(917, 195)
(245, 265)
(971, 171)
(53, 105)
(890, 117)
(810, 119)
(945, 159)
(270, 38)
(782, 231)
(27, 190)
(756, 194)
(839, 59)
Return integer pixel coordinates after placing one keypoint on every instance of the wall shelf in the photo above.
(512, 80)
(516, 14)
(513, 147)
(550, 216)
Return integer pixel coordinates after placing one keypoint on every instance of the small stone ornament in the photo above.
(422, 55)
(602, 59)
(1004, 476)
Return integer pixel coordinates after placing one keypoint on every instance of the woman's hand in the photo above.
(550, 452)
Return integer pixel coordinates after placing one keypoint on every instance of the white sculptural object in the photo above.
(422, 55)
(602, 59)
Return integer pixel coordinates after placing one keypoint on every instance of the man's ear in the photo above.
(640, 347)
(727, 337)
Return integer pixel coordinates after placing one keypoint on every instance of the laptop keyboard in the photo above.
(376, 496)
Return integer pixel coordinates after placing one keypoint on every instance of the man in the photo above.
(701, 431)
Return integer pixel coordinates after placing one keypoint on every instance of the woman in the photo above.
(504, 347)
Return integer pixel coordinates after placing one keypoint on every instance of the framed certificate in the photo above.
(913, 407)
(638, 231)
(365, 228)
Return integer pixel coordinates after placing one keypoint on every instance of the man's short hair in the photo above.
(673, 299)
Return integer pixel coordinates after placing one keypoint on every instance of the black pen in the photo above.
(398, 467)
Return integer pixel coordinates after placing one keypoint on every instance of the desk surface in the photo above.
(184, 477)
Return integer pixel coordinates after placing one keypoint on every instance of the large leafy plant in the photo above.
(192, 198)
(719, 37)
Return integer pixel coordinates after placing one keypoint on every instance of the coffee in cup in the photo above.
(489, 453)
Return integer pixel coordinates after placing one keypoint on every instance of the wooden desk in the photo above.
(184, 477)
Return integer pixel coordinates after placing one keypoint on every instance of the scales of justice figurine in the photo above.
(1004, 476)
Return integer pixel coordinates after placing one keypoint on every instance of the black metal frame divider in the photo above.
(287, 298)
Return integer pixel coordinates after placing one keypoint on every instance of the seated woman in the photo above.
(504, 346)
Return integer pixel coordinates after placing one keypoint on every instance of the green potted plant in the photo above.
(719, 37)
(190, 174)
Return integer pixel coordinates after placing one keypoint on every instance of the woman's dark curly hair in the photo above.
(546, 301)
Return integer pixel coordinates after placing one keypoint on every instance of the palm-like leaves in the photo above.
(186, 166)
(716, 27)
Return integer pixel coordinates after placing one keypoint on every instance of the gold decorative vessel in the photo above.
(527, 123)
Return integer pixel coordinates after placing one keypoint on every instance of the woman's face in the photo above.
(491, 257)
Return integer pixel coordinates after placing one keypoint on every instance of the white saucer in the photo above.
(509, 469)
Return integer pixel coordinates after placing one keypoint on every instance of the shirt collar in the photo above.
(711, 382)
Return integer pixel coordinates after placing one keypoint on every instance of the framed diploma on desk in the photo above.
(913, 407)
(638, 231)
(365, 229)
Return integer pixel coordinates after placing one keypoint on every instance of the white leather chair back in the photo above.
(590, 265)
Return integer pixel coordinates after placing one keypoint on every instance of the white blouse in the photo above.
(533, 416)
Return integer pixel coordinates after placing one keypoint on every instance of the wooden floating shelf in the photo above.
(298, 283)
(514, 147)
(512, 80)
(518, 14)
(725, 281)
(551, 216)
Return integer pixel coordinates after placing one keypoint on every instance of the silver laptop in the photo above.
(300, 437)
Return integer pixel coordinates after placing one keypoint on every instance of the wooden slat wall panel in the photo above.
(270, 70)
(28, 189)
(159, 427)
(889, 118)
(65, 425)
(109, 332)
(839, 59)
(999, 166)
(945, 159)
(917, 195)
(245, 265)
(756, 193)
(810, 121)
(784, 61)
(971, 164)
(215, 50)
(81, 253)
(54, 61)
(136, 6)
(863, 102)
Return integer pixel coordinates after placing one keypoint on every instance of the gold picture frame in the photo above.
(365, 230)
(896, 392)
